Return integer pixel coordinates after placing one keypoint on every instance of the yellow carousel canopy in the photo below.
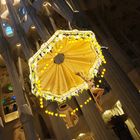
(53, 68)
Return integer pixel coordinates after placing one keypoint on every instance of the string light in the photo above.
(41, 102)
(41, 106)
(51, 113)
(97, 86)
(103, 72)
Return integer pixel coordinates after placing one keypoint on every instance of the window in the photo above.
(22, 14)
(7, 29)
